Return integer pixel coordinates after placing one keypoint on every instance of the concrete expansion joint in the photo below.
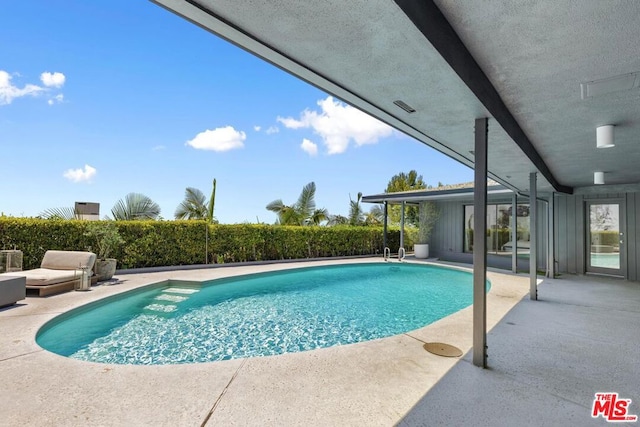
(415, 338)
(599, 308)
(224, 391)
(21, 355)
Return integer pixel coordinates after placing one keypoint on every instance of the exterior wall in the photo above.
(448, 233)
(447, 239)
(570, 231)
(633, 235)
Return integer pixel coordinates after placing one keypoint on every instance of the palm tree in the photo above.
(375, 215)
(337, 220)
(135, 206)
(193, 206)
(303, 212)
(319, 216)
(355, 210)
(212, 202)
(60, 213)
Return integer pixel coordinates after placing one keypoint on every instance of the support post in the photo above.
(480, 245)
(384, 229)
(402, 227)
(551, 254)
(514, 233)
(533, 230)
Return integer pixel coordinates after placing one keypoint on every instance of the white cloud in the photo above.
(81, 175)
(291, 123)
(56, 99)
(9, 92)
(272, 129)
(52, 79)
(220, 139)
(338, 124)
(309, 147)
(257, 128)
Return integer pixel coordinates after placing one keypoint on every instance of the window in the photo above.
(499, 229)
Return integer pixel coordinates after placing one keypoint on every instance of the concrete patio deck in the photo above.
(547, 359)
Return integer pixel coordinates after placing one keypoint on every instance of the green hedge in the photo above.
(610, 238)
(495, 238)
(166, 243)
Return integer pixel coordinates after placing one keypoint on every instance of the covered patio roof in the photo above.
(416, 196)
(546, 73)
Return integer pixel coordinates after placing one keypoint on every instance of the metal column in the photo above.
(533, 228)
(480, 245)
(551, 263)
(402, 227)
(514, 233)
(384, 232)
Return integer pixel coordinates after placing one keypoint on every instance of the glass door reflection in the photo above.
(605, 238)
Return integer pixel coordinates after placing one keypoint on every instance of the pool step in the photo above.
(171, 298)
(167, 301)
(161, 308)
(185, 291)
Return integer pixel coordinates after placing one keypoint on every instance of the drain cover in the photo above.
(442, 349)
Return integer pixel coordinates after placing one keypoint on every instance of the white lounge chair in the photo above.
(60, 271)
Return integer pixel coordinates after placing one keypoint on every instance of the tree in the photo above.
(375, 216)
(303, 212)
(60, 213)
(355, 211)
(428, 217)
(405, 182)
(319, 216)
(337, 220)
(195, 205)
(135, 206)
(212, 202)
(601, 217)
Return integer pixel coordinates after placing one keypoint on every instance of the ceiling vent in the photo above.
(406, 107)
(609, 85)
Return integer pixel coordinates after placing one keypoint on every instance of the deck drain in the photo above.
(442, 349)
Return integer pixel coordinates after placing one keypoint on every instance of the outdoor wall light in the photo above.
(604, 136)
(598, 178)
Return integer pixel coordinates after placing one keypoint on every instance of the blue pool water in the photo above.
(258, 315)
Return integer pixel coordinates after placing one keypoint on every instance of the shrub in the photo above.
(166, 243)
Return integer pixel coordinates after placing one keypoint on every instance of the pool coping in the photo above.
(369, 383)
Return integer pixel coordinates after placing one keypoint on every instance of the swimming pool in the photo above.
(260, 314)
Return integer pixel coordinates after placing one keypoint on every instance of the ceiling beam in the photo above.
(430, 21)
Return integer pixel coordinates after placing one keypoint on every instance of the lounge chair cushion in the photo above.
(45, 276)
(67, 260)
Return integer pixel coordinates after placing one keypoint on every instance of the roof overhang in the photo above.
(417, 196)
(520, 64)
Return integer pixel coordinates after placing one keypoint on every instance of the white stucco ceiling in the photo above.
(536, 55)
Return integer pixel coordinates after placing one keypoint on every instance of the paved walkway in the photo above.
(547, 360)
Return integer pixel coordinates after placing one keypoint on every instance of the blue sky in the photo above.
(102, 98)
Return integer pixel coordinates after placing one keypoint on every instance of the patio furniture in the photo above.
(10, 260)
(60, 271)
(12, 289)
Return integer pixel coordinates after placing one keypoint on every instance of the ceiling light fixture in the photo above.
(604, 136)
(598, 178)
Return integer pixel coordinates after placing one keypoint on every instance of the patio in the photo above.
(547, 360)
